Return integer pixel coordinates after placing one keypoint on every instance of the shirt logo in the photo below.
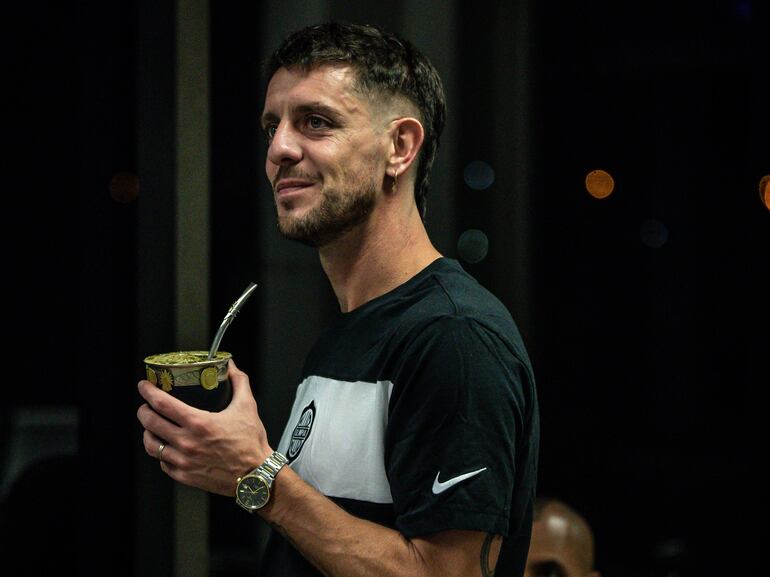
(301, 431)
(440, 487)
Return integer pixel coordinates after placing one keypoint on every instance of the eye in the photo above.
(269, 131)
(317, 122)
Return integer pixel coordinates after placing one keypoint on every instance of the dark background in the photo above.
(645, 313)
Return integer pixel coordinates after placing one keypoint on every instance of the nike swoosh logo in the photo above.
(439, 487)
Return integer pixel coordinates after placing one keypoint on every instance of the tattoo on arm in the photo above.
(485, 569)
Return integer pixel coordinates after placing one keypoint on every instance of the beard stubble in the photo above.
(339, 212)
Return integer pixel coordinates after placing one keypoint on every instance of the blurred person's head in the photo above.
(562, 543)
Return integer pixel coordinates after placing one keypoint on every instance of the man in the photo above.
(411, 448)
(562, 542)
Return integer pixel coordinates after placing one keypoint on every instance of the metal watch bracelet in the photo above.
(273, 464)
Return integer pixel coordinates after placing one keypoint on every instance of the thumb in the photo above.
(239, 382)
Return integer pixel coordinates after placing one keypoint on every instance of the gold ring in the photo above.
(160, 451)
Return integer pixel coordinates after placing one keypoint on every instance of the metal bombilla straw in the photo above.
(236, 306)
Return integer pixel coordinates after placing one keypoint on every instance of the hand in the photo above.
(205, 450)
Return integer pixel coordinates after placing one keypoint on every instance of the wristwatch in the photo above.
(252, 491)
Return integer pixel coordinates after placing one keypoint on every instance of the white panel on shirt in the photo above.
(342, 454)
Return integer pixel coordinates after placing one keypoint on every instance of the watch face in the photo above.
(253, 492)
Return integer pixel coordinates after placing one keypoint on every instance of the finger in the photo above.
(170, 469)
(152, 444)
(157, 424)
(240, 383)
(165, 404)
(233, 368)
(170, 455)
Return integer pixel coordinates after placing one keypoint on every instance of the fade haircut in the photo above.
(385, 66)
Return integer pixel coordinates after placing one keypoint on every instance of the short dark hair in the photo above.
(385, 64)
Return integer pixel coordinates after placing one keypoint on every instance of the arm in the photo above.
(341, 545)
(210, 450)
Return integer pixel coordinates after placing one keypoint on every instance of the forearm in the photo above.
(337, 543)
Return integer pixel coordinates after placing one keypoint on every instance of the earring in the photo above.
(395, 182)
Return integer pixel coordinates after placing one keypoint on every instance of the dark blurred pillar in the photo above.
(428, 24)
(495, 111)
(173, 255)
(236, 173)
(156, 271)
(193, 269)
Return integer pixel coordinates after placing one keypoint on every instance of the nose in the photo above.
(284, 147)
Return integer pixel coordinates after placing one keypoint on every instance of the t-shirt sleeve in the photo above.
(456, 413)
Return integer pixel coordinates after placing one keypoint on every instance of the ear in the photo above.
(407, 136)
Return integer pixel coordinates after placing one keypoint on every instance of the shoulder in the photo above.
(445, 289)
(452, 305)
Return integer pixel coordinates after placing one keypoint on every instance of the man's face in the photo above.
(554, 551)
(326, 155)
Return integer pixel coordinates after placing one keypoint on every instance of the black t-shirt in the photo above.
(418, 411)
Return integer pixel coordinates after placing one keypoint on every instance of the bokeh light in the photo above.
(743, 9)
(124, 187)
(653, 233)
(599, 183)
(479, 175)
(472, 246)
(764, 190)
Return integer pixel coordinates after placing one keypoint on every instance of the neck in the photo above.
(378, 255)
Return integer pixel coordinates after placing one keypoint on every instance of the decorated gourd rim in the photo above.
(184, 359)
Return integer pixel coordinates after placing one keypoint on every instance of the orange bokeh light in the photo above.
(764, 190)
(599, 183)
(124, 187)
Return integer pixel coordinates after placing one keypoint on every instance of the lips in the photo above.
(289, 186)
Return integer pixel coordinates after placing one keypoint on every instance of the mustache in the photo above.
(292, 172)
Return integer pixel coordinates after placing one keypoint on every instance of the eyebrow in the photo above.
(311, 107)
